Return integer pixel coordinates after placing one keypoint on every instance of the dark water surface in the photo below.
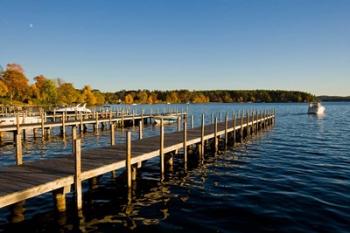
(294, 177)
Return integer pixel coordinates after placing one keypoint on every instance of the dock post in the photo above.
(77, 177)
(226, 132)
(178, 123)
(19, 153)
(63, 124)
(128, 159)
(185, 138)
(17, 213)
(248, 124)
(42, 125)
(241, 136)
(216, 135)
(257, 121)
(112, 134)
(74, 137)
(60, 198)
(81, 123)
(192, 121)
(140, 129)
(96, 124)
(201, 151)
(234, 128)
(161, 149)
(252, 125)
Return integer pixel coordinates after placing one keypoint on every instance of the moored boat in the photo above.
(75, 109)
(166, 119)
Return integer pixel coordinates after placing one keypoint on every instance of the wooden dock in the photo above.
(21, 182)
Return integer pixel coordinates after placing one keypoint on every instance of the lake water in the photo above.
(294, 177)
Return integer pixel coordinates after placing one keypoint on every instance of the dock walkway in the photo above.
(31, 179)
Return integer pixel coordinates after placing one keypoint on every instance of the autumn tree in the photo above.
(142, 97)
(67, 94)
(88, 96)
(172, 97)
(129, 99)
(100, 99)
(44, 90)
(3, 89)
(16, 82)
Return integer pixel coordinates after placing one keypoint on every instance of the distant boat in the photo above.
(76, 109)
(316, 108)
(166, 119)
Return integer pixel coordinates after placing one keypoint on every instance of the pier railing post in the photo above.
(234, 128)
(192, 121)
(241, 135)
(74, 137)
(185, 138)
(216, 135)
(63, 124)
(178, 123)
(112, 134)
(128, 159)
(141, 129)
(161, 149)
(77, 177)
(226, 130)
(201, 152)
(19, 153)
(42, 119)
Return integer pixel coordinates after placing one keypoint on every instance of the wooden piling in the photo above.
(241, 136)
(140, 129)
(226, 130)
(216, 135)
(63, 124)
(112, 134)
(161, 149)
(77, 177)
(185, 138)
(192, 121)
(201, 151)
(128, 158)
(19, 152)
(234, 128)
(42, 125)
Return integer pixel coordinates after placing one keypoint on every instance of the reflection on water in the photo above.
(292, 178)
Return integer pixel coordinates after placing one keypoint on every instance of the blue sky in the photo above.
(182, 44)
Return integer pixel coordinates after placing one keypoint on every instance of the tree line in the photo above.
(16, 89)
(218, 96)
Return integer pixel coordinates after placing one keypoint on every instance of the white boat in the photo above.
(76, 109)
(166, 119)
(316, 108)
(12, 120)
